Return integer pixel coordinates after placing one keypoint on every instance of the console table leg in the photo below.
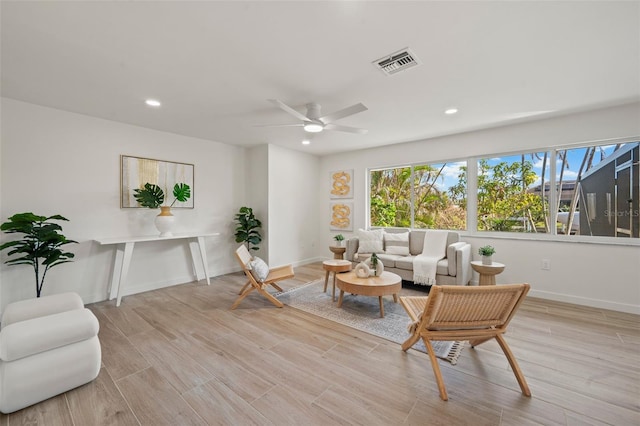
(203, 258)
(124, 269)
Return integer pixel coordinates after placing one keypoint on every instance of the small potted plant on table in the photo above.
(486, 252)
(339, 240)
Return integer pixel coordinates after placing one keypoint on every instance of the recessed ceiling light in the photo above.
(451, 111)
(152, 102)
(306, 142)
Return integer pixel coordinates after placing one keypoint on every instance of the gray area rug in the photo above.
(363, 313)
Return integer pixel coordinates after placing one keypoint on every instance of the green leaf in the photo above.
(151, 196)
(182, 192)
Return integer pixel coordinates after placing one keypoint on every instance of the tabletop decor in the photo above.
(486, 252)
(152, 196)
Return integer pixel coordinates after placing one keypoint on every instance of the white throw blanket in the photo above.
(425, 264)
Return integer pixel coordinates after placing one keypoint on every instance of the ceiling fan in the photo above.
(314, 122)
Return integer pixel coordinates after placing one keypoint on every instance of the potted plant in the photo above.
(377, 267)
(152, 196)
(339, 239)
(40, 246)
(486, 252)
(247, 226)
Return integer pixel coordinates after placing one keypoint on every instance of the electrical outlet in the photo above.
(546, 264)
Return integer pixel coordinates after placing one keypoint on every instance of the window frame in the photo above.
(472, 199)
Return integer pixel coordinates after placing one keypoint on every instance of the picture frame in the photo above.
(341, 184)
(341, 215)
(136, 171)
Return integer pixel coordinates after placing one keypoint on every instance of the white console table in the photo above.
(124, 251)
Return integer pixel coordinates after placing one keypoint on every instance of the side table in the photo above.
(338, 252)
(335, 266)
(487, 272)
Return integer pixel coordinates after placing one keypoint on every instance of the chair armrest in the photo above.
(352, 249)
(25, 338)
(463, 264)
(42, 306)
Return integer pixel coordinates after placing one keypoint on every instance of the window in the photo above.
(513, 193)
(589, 190)
(420, 196)
(598, 187)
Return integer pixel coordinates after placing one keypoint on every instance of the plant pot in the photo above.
(486, 260)
(165, 221)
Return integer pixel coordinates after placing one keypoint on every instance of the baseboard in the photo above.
(584, 301)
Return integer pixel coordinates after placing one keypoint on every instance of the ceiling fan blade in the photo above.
(345, 129)
(279, 125)
(288, 109)
(353, 109)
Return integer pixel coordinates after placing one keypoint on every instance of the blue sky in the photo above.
(450, 173)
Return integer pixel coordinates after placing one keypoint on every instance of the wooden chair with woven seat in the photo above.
(476, 314)
(254, 283)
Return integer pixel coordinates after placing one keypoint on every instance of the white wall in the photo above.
(293, 207)
(600, 275)
(258, 193)
(56, 162)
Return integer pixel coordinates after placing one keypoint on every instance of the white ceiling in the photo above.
(214, 64)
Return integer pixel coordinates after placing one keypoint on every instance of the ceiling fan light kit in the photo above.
(313, 127)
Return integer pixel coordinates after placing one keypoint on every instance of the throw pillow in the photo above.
(370, 241)
(397, 244)
(259, 269)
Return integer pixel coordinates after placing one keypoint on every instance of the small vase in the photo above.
(486, 260)
(165, 221)
(362, 270)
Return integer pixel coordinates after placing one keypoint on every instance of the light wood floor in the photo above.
(179, 356)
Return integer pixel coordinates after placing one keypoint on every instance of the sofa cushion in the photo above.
(389, 260)
(370, 241)
(396, 243)
(443, 267)
(405, 262)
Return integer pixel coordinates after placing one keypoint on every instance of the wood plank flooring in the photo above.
(179, 356)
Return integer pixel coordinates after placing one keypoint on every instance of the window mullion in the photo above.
(472, 195)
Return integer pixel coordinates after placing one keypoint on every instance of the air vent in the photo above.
(396, 62)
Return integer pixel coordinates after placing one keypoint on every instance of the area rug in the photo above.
(363, 313)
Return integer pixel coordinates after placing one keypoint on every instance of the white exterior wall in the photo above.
(599, 275)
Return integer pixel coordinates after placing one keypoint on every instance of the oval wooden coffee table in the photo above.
(386, 284)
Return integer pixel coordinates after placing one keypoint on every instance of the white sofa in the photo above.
(453, 269)
(48, 346)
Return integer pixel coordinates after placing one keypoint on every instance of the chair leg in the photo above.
(272, 299)
(514, 365)
(276, 286)
(242, 296)
(244, 286)
(410, 341)
(436, 370)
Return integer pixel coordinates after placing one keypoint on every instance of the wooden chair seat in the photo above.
(476, 314)
(275, 275)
